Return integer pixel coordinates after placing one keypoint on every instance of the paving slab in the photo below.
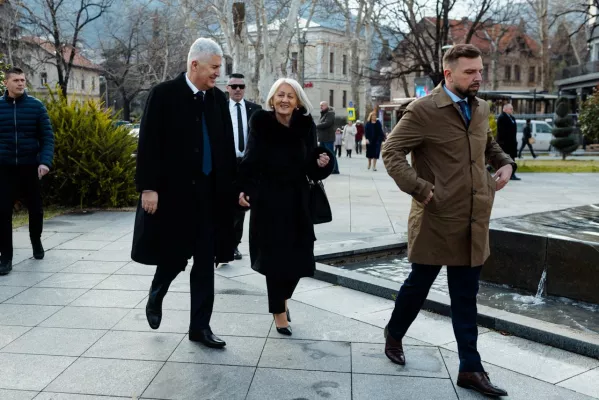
(385, 387)
(172, 322)
(307, 355)
(517, 385)
(110, 298)
(25, 315)
(585, 383)
(85, 318)
(177, 381)
(17, 394)
(18, 372)
(11, 333)
(72, 281)
(529, 358)
(94, 267)
(54, 341)
(243, 351)
(135, 346)
(108, 377)
(28, 279)
(295, 385)
(46, 296)
(6, 292)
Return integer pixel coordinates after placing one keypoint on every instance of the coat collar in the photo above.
(442, 99)
(18, 99)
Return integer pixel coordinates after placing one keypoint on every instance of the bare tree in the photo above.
(9, 29)
(61, 23)
(540, 10)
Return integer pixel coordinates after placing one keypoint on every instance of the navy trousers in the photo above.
(463, 288)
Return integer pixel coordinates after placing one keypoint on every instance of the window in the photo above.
(229, 67)
(44, 78)
(531, 74)
(93, 83)
(508, 73)
(332, 63)
(332, 97)
(542, 128)
(294, 62)
(485, 72)
(82, 83)
(344, 101)
(517, 73)
(344, 65)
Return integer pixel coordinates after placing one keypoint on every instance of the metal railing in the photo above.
(578, 70)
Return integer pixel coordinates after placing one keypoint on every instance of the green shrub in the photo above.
(492, 121)
(93, 163)
(589, 116)
(565, 140)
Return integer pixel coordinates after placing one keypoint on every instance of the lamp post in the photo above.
(302, 48)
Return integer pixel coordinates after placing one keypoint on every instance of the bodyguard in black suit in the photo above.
(185, 172)
(506, 134)
(241, 111)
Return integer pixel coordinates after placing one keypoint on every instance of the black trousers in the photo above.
(202, 271)
(19, 182)
(524, 144)
(338, 150)
(463, 288)
(279, 290)
(358, 146)
(239, 218)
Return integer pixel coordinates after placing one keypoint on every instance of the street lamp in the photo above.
(302, 48)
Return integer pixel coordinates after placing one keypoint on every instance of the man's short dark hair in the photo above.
(460, 51)
(528, 120)
(14, 71)
(238, 76)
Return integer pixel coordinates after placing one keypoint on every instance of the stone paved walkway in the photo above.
(72, 326)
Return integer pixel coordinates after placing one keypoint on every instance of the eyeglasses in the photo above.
(235, 87)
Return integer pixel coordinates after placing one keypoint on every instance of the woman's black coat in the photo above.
(165, 163)
(274, 174)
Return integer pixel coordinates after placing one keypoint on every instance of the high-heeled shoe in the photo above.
(288, 316)
(283, 331)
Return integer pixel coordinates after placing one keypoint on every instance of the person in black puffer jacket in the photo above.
(26, 152)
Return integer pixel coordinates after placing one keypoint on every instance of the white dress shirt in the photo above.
(244, 119)
(193, 87)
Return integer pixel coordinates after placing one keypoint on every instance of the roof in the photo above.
(78, 61)
(487, 33)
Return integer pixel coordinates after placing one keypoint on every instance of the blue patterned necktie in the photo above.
(207, 153)
(465, 110)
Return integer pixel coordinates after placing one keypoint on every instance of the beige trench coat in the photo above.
(453, 229)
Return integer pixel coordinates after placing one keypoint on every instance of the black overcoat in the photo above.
(165, 163)
(274, 174)
(506, 134)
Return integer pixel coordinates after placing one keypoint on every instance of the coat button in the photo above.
(473, 191)
(470, 132)
(193, 182)
(473, 220)
(196, 150)
(472, 161)
(197, 119)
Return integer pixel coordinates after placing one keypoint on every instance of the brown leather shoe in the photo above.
(394, 349)
(480, 382)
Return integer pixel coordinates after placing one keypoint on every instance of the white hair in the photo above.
(507, 105)
(302, 98)
(202, 48)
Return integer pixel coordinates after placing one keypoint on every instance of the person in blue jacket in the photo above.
(26, 152)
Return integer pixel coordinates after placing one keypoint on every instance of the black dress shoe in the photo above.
(394, 348)
(38, 249)
(207, 338)
(5, 267)
(154, 305)
(515, 178)
(480, 382)
(237, 255)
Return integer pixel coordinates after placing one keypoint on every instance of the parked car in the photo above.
(134, 130)
(541, 132)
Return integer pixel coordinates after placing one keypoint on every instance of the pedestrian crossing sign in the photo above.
(351, 114)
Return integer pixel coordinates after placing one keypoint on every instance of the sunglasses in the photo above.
(235, 87)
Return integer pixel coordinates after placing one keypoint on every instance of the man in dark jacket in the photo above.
(325, 129)
(26, 151)
(185, 171)
(506, 134)
(241, 111)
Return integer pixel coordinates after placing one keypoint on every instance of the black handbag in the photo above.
(320, 209)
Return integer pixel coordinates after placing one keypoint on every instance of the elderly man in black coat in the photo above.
(506, 134)
(186, 166)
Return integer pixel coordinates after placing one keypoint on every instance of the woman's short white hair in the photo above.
(203, 48)
(302, 98)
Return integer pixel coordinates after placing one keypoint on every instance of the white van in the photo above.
(541, 131)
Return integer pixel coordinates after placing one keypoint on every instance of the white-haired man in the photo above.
(186, 167)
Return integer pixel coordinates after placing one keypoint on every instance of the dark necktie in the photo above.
(465, 110)
(241, 140)
(207, 153)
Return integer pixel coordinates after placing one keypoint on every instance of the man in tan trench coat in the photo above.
(448, 135)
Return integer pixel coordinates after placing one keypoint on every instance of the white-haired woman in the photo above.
(280, 157)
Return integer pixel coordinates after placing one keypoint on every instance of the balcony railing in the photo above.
(578, 70)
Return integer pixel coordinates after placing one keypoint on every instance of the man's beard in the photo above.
(468, 92)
